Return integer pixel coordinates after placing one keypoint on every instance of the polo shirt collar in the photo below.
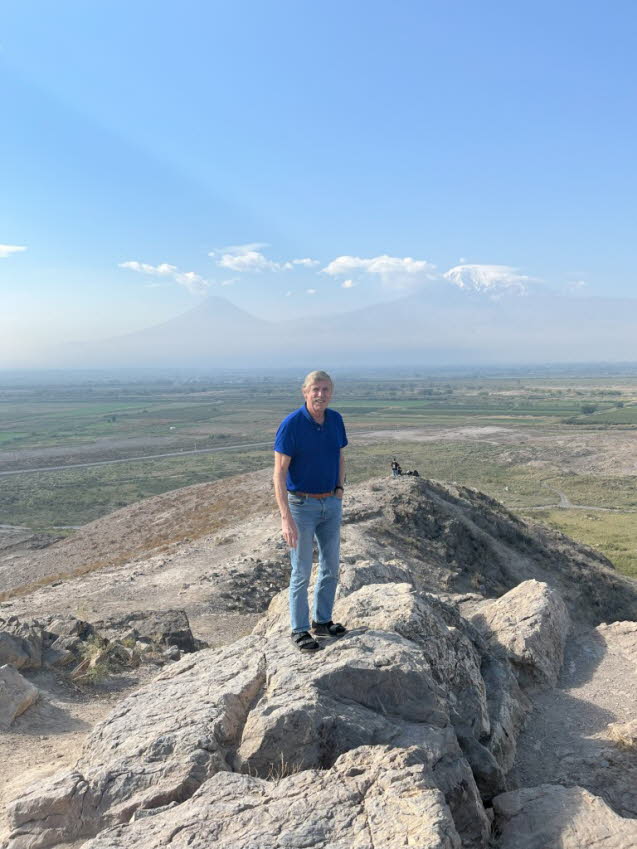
(308, 415)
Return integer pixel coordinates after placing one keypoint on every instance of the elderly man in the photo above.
(309, 476)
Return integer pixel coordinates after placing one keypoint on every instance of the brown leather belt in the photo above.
(313, 494)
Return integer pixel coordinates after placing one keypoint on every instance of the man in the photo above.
(309, 476)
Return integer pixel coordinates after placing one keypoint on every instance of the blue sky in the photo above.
(153, 152)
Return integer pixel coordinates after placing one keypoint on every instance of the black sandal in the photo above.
(305, 642)
(328, 629)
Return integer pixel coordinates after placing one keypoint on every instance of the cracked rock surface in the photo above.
(403, 732)
(372, 797)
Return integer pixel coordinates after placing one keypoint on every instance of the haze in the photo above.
(305, 162)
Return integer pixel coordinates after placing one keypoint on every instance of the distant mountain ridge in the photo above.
(440, 325)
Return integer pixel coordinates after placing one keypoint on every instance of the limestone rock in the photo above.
(158, 745)
(366, 572)
(258, 708)
(16, 695)
(530, 623)
(486, 706)
(163, 627)
(620, 638)
(550, 816)
(367, 687)
(372, 797)
(20, 643)
(70, 626)
(484, 700)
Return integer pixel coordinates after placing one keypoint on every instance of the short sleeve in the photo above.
(342, 434)
(285, 442)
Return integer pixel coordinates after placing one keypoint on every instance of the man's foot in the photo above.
(305, 642)
(328, 629)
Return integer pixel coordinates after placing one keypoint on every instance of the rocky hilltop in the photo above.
(483, 696)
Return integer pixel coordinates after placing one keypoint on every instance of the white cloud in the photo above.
(306, 263)
(348, 284)
(230, 282)
(145, 268)
(190, 280)
(493, 279)
(288, 293)
(311, 291)
(239, 249)
(394, 272)
(249, 261)
(8, 250)
(249, 258)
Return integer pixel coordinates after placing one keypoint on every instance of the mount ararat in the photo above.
(440, 325)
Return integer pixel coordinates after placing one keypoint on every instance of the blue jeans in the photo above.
(320, 518)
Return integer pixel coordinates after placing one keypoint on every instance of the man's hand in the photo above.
(338, 492)
(289, 531)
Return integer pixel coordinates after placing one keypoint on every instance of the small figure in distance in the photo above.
(413, 473)
(396, 471)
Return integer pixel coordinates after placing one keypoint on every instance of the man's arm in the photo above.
(288, 525)
(341, 475)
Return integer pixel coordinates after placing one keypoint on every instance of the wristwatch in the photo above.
(342, 488)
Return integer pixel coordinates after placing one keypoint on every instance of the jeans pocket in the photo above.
(297, 500)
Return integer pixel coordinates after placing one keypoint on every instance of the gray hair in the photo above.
(315, 376)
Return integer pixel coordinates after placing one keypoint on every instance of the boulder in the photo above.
(371, 797)
(163, 627)
(368, 687)
(16, 695)
(20, 643)
(551, 815)
(530, 624)
(485, 703)
(157, 746)
(70, 626)
(366, 572)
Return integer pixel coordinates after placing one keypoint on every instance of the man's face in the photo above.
(317, 396)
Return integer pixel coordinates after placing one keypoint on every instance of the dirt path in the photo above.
(566, 504)
(566, 738)
(181, 453)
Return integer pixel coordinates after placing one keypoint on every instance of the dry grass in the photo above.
(624, 734)
(154, 526)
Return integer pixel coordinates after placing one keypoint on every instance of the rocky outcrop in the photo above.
(21, 643)
(371, 797)
(158, 746)
(16, 695)
(161, 627)
(530, 624)
(89, 654)
(253, 709)
(413, 674)
(485, 704)
(566, 817)
(454, 539)
(400, 733)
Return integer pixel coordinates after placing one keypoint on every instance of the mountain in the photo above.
(442, 324)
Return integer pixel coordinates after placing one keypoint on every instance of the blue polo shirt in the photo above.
(315, 449)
